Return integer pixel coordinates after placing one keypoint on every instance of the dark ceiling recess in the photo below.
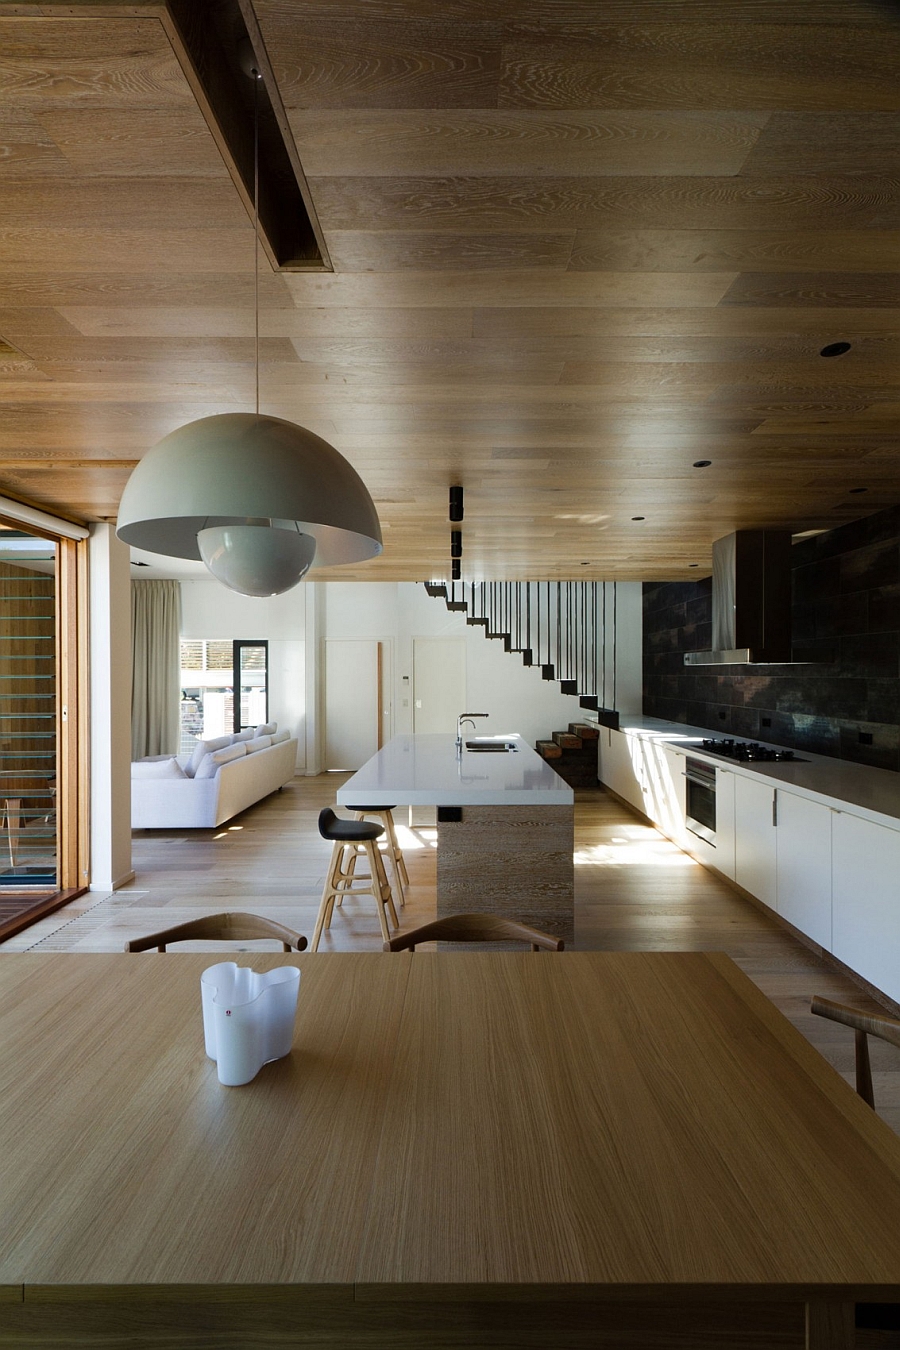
(855, 490)
(212, 38)
(638, 517)
(835, 349)
(456, 504)
(702, 463)
(456, 543)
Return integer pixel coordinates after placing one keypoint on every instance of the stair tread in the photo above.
(548, 749)
(567, 740)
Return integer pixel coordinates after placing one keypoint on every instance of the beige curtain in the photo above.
(156, 687)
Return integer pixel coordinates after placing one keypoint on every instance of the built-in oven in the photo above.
(700, 799)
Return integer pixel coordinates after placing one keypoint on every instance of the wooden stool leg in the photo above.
(392, 849)
(381, 889)
(397, 858)
(348, 875)
(326, 905)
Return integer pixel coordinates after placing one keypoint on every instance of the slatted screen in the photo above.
(28, 713)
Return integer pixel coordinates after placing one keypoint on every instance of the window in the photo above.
(211, 668)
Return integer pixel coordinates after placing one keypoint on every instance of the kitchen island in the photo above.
(505, 822)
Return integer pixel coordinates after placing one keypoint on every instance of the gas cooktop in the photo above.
(749, 752)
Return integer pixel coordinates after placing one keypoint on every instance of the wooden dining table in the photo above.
(462, 1149)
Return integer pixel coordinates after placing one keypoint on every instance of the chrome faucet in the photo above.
(465, 717)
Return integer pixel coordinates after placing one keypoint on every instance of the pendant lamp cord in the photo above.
(256, 81)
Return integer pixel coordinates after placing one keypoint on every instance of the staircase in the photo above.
(567, 628)
(573, 754)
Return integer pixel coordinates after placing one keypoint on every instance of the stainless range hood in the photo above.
(751, 600)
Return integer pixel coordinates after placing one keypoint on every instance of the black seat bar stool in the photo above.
(393, 850)
(350, 836)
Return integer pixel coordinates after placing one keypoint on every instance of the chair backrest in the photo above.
(234, 927)
(327, 819)
(864, 1025)
(474, 928)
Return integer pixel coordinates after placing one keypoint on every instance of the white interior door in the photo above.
(439, 683)
(352, 702)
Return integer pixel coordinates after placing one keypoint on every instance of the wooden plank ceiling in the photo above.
(576, 248)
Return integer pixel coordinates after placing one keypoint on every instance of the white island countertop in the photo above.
(426, 771)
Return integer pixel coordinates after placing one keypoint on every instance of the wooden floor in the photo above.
(634, 890)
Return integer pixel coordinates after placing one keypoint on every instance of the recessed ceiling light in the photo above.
(702, 463)
(855, 490)
(835, 349)
(638, 517)
(693, 564)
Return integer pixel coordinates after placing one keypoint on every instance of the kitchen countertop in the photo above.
(869, 792)
(425, 771)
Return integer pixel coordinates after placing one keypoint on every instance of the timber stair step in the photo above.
(573, 754)
(585, 730)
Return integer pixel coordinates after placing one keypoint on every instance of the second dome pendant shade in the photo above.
(256, 559)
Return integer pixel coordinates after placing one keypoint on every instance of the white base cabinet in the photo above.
(866, 899)
(755, 863)
(724, 860)
(834, 875)
(617, 769)
(803, 865)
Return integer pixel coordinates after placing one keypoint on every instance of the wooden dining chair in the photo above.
(864, 1025)
(234, 927)
(474, 928)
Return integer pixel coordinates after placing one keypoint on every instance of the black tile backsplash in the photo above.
(846, 604)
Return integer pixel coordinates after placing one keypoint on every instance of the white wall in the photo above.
(110, 697)
(515, 696)
(210, 610)
(296, 623)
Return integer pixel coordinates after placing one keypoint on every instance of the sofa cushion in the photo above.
(165, 767)
(258, 743)
(246, 735)
(265, 729)
(203, 748)
(281, 736)
(210, 764)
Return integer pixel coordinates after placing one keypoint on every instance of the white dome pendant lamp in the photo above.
(257, 498)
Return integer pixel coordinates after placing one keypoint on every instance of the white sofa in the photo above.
(184, 792)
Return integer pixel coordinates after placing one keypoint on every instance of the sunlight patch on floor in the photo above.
(414, 839)
(631, 846)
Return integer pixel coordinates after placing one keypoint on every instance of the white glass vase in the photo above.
(248, 1017)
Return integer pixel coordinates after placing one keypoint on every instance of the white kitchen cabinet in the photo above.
(619, 766)
(866, 899)
(803, 865)
(670, 792)
(754, 838)
(724, 859)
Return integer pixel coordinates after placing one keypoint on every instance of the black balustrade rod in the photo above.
(615, 638)
(603, 649)
(528, 615)
(558, 628)
(595, 644)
